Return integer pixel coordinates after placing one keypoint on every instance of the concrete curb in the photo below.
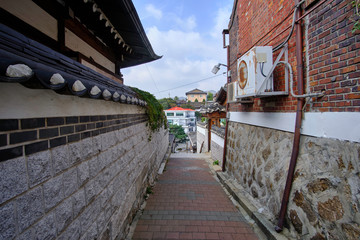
(266, 227)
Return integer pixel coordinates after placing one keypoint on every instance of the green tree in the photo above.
(167, 103)
(203, 100)
(176, 98)
(196, 100)
(210, 96)
(187, 105)
(178, 131)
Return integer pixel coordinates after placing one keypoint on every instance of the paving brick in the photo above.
(190, 206)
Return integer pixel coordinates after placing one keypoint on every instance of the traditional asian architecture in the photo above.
(293, 133)
(196, 95)
(75, 151)
(211, 133)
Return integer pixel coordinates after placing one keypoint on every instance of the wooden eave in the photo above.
(123, 17)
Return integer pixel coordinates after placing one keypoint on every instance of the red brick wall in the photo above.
(333, 51)
(334, 57)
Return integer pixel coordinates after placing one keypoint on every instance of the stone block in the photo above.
(92, 233)
(87, 148)
(39, 167)
(332, 209)
(106, 141)
(78, 201)
(29, 208)
(28, 234)
(70, 181)
(87, 217)
(72, 232)
(95, 165)
(46, 227)
(7, 221)
(83, 173)
(53, 192)
(63, 215)
(92, 188)
(60, 158)
(75, 152)
(13, 178)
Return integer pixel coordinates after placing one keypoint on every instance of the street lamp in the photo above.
(216, 68)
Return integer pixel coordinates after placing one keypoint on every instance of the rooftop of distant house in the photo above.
(179, 109)
(196, 91)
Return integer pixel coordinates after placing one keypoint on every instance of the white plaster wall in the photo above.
(217, 139)
(17, 101)
(201, 130)
(337, 125)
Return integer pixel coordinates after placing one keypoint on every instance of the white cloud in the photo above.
(188, 57)
(187, 24)
(221, 20)
(154, 12)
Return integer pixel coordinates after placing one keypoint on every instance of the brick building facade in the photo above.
(262, 131)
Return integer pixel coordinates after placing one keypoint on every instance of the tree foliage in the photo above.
(210, 96)
(154, 110)
(167, 103)
(178, 131)
(187, 105)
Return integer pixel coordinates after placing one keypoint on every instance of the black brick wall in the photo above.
(20, 137)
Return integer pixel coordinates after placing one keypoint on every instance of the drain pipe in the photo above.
(228, 80)
(300, 103)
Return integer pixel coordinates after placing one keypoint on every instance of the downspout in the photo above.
(300, 103)
(226, 31)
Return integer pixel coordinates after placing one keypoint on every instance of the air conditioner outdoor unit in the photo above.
(252, 69)
(232, 92)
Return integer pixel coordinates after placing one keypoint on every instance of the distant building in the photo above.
(196, 94)
(182, 116)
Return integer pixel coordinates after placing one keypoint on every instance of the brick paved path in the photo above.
(188, 203)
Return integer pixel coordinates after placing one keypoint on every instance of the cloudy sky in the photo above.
(188, 34)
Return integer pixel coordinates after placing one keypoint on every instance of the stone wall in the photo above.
(325, 198)
(74, 176)
(201, 138)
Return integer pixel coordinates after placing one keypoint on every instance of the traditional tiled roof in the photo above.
(179, 109)
(196, 91)
(212, 107)
(46, 65)
(221, 95)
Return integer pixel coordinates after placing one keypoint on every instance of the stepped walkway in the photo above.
(188, 203)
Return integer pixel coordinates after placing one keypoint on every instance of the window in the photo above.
(170, 121)
(192, 95)
(179, 114)
(170, 114)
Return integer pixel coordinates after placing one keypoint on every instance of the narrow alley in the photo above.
(188, 203)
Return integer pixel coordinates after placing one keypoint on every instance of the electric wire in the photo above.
(297, 6)
(190, 83)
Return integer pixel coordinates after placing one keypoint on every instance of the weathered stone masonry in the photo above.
(74, 177)
(326, 189)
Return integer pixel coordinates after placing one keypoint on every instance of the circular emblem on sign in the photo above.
(243, 74)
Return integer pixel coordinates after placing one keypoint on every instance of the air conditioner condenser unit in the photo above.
(252, 69)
